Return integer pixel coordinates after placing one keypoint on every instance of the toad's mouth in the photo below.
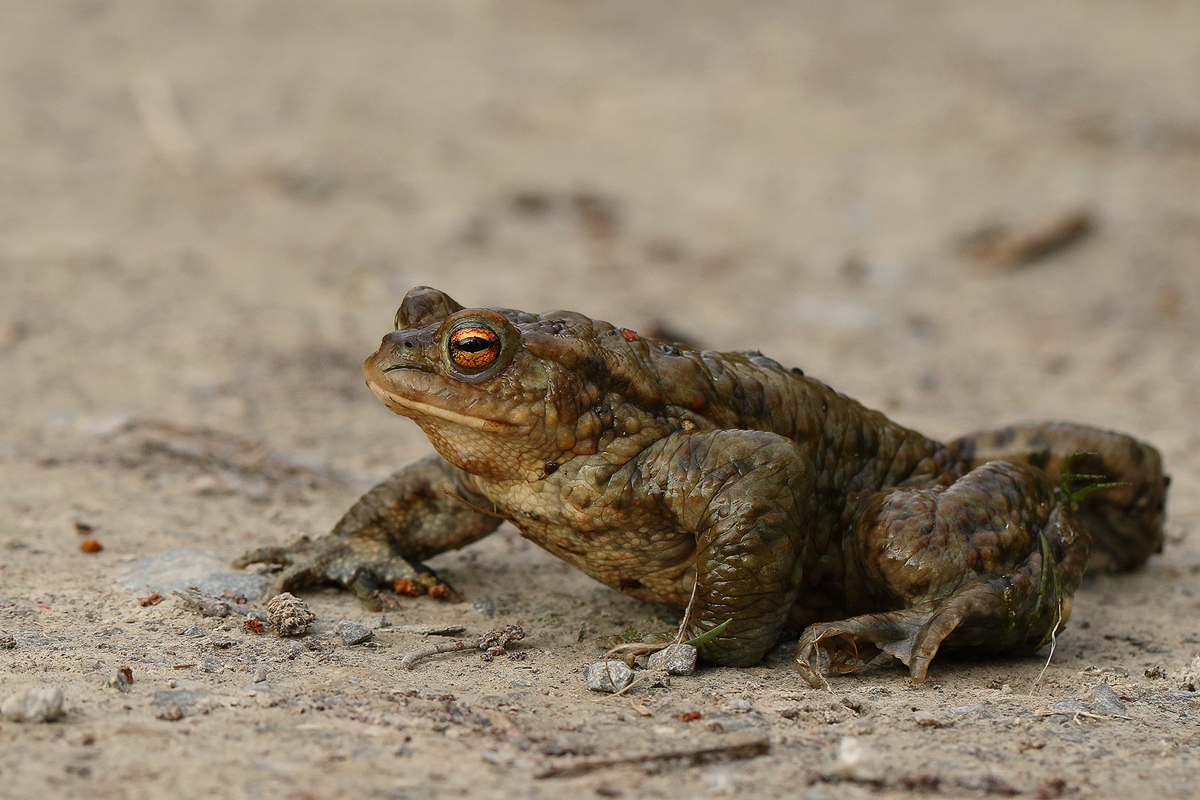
(396, 402)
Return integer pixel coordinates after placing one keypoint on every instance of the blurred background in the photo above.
(961, 213)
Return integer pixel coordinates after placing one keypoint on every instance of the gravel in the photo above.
(39, 704)
(609, 676)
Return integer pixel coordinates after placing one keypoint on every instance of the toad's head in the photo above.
(504, 394)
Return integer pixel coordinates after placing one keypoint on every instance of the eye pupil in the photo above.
(474, 347)
(474, 344)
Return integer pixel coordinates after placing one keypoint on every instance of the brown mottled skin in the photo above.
(659, 470)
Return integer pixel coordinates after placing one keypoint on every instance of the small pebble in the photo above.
(260, 676)
(353, 632)
(288, 615)
(106, 427)
(121, 679)
(206, 605)
(609, 676)
(1103, 700)
(740, 705)
(927, 720)
(1189, 679)
(172, 713)
(721, 782)
(678, 659)
(1068, 706)
(857, 761)
(33, 705)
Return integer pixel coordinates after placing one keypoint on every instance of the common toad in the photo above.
(753, 492)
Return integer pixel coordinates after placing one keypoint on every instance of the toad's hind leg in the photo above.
(1125, 521)
(987, 564)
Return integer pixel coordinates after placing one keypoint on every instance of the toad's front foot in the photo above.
(420, 511)
(362, 565)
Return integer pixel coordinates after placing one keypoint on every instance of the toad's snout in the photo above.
(402, 349)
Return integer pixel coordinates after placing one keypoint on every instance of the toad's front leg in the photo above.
(420, 511)
(741, 495)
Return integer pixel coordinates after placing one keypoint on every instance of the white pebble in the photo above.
(1189, 676)
(678, 659)
(33, 705)
(609, 676)
(857, 761)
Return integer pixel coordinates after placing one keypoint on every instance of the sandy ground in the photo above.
(209, 212)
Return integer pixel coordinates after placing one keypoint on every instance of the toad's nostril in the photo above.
(396, 340)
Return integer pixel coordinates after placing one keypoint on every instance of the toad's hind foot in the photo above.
(1015, 613)
(985, 565)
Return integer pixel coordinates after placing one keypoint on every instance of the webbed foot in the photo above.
(420, 511)
(985, 565)
(991, 614)
(362, 565)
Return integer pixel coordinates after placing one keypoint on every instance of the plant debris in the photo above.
(288, 615)
(682, 757)
(493, 643)
(429, 630)
(999, 246)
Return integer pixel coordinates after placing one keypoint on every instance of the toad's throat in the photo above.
(397, 402)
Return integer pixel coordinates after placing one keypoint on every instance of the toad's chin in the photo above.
(415, 408)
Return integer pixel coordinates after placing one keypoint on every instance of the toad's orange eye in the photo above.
(474, 347)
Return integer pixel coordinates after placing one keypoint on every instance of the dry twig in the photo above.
(492, 643)
(1004, 248)
(1050, 655)
(155, 101)
(691, 756)
(427, 630)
